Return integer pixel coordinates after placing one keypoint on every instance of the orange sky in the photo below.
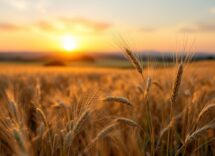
(27, 25)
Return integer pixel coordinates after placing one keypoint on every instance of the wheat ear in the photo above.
(134, 60)
(121, 100)
(177, 84)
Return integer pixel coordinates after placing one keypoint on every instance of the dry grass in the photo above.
(59, 111)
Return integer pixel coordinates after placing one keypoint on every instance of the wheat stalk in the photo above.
(121, 100)
(198, 132)
(7, 142)
(104, 132)
(13, 109)
(20, 140)
(204, 111)
(134, 60)
(195, 135)
(148, 86)
(177, 84)
(167, 128)
(68, 139)
(126, 121)
(81, 121)
(42, 115)
(158, 85)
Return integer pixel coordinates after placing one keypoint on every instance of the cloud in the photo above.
(74, 25)
(11, 27)
(45, 26)
(199, 27)
(188, 30)
(91, 25)
(206, 27)
(77, 25)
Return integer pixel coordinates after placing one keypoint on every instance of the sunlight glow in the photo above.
(68, 43)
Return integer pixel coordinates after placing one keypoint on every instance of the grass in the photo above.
(98, 111)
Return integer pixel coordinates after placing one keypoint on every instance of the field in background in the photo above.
(101, 63)
(105, 111)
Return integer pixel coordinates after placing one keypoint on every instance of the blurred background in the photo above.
(83, 32)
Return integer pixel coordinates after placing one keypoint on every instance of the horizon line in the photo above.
(105, 52)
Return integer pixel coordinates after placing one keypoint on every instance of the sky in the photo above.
(107, 25)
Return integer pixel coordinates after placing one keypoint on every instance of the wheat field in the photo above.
(64, 111)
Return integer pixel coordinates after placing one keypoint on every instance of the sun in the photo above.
(68, 42)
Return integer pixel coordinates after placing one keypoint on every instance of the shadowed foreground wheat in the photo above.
(51, 111)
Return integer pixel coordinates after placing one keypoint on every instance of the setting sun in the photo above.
(68, 43)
